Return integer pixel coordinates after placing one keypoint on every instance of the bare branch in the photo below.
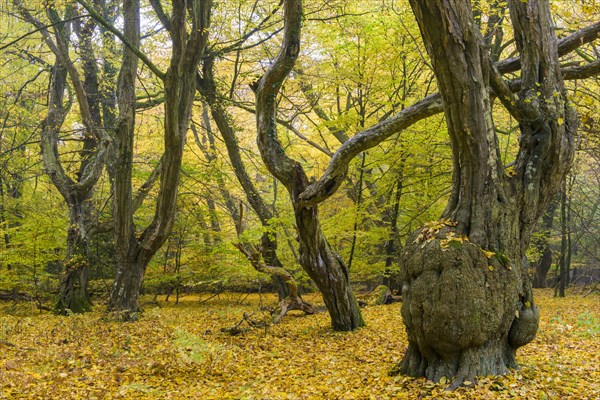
(336, 171)
(247, 35)
(431, 105)
(102, 21)
(40, 28)
(565, 46)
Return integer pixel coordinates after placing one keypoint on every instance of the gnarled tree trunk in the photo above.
(133, 252)
(73, 290)
(468, 303)
(317, 258)
(76, 191)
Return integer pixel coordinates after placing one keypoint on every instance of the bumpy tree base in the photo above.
(75, 303)
(73, 297)
(493, 358)
(466, 309)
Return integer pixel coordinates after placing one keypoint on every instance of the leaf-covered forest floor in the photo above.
(179, 352)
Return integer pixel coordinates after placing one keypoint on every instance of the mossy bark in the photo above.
(466, 311)
(73, 294)
(468, 304)
(125, 292)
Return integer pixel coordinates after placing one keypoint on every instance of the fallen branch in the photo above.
(294, 301)
(16, 296)
(593, 289)
(252, 324)
(213, 296)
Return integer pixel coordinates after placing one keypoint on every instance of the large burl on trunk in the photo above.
(466, 309)
(467, 299)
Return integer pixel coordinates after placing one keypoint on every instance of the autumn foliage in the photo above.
(179, 352)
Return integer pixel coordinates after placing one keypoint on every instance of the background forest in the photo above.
(360, 64)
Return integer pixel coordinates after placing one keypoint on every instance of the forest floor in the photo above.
(179, 352)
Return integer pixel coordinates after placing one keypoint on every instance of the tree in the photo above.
(479, 208)
(77, 191)
(542, 245)
(317, 258)
(284, 281)
(133, 251)
(468, 303)
(467, 299)
(359, 89)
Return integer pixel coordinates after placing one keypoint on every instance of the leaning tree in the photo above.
(189, 22)
(318, 259)
(468, 303)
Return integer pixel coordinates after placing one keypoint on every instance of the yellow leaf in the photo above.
(487, 253)
(490, 268)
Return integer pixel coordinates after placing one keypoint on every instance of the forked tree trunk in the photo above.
(468, 303)
(317, 258)
(77, 192)
(188, 27)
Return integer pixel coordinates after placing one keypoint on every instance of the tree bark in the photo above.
(565, 250)
(542, 267)
(468, 303)
(133, 252)
(78, 190)
(545, 262)
(393, 246)
(74, 296)
(321, 263)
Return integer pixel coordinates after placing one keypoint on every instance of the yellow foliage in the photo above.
(179, 352)
(487, 253)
